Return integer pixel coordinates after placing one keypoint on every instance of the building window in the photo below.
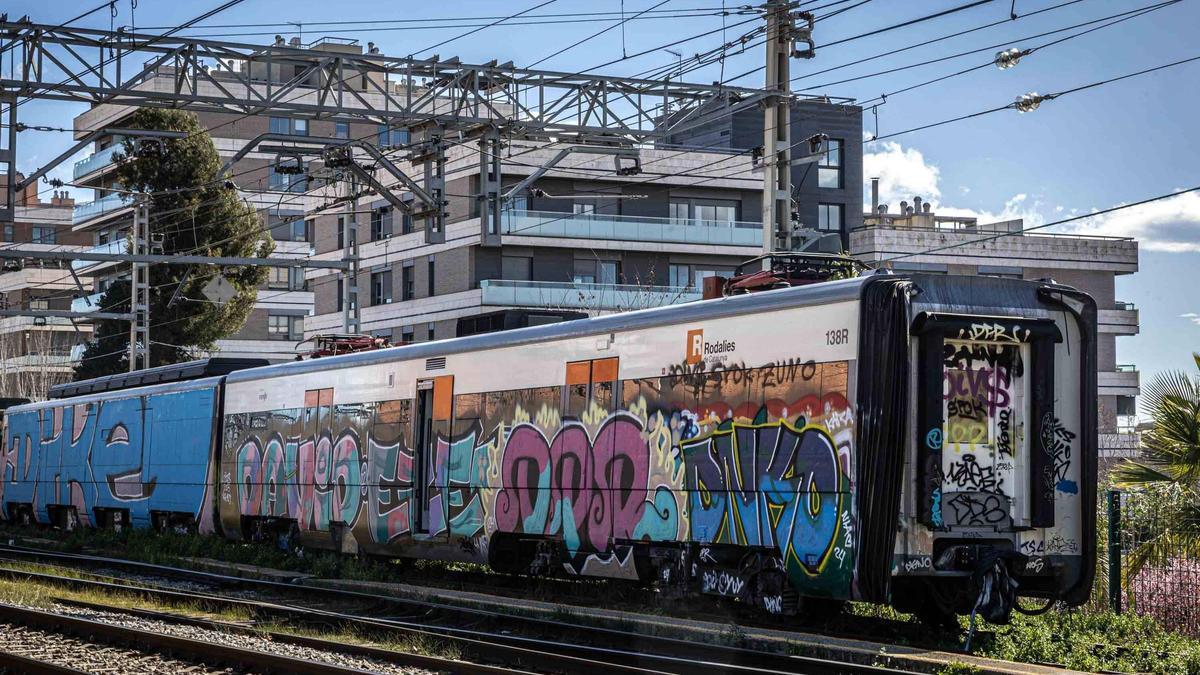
(710, 212)
(431, 285)
(278, 181)
(287, 228)
(583, 208)
(284, 327)
(714, 212)
(516, 267)
(39, 304)
(829, 217)
(681, 212)
(607, 271)
(381, 223)
(406, 336)
(390, 138)
(44, 235)
(291, 127)
(829, 167)
(341, 130)
(693, 276)
(8, 232)
(277, 277)
(341, 231)
(406, 282)
(680, 275)
(341, 289)
(406, 224)
(310, 230)
(429, 334)
(585, 272)
(381, 287)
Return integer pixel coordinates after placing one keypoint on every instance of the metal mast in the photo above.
(777, 133)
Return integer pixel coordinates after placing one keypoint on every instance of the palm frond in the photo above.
(1135, 474)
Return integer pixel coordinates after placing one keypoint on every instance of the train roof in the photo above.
(176, 372)
(798, 296)
(163, 388)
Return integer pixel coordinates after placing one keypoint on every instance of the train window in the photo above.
(590, 383)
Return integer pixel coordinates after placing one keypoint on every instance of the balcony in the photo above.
(118, 246)
(1123, 320)
(1124, 381)
(104, 205)
(570, 295)
(87, 303)
(630, 228)
(97, 160)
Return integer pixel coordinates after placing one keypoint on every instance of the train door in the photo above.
(435, 402)
(589, 463)
(981, 419)
(316, 461)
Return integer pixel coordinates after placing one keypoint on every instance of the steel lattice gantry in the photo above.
(92, 66)
(431, 97)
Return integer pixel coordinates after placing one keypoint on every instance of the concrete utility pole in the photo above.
(351, 316)
(139, 290)
(777, 134)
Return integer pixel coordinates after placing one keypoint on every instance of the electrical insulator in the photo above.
(1008, 58)
(1028, 102)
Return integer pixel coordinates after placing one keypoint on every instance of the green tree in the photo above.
(196, 213)
(1169, 469)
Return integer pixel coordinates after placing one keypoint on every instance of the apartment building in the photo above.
(581, 240)
(1089, 263)
(35, 352)
(827, 193)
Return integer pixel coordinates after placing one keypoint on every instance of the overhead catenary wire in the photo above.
(484, 27)
(1043, 97)
(1112, 20)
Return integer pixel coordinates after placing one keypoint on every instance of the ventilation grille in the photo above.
(436, 363)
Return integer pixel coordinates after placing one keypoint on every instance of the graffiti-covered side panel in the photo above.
(757, 458)
(132, 456)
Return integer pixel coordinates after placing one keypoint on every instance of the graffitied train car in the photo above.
(881, 438)
(130, 458)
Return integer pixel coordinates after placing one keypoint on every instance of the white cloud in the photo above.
(1171, 224)
(1191, 316)
(904, 173)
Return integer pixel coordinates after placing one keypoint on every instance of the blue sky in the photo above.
(1117, 143)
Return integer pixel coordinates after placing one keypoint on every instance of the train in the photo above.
(921, 440)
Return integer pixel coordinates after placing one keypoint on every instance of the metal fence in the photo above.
(1167, 586)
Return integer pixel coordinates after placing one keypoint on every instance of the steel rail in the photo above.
(191, 650)
(400, 658)
(672, 654)
(16, 663)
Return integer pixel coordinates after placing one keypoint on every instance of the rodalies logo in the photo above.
(699, 350)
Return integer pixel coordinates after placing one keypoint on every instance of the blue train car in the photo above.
(138, 457)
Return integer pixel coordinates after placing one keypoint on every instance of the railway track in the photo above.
(137, 650)
(482, 637)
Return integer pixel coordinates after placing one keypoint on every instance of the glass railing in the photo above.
(631, 228)
(100, 206)
(1126, 368)
(571, 295)
(97, 160)
(118, 246)
(1127, 306)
